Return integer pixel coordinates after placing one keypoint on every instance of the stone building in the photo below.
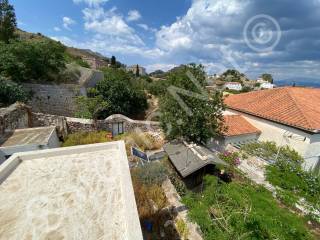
(133, 69)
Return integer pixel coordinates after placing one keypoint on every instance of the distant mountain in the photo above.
(299, 81)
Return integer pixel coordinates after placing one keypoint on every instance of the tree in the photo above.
(267, 77)
(113, 61)
(8, 22)
(11, 92)
(232, 75)
(114, 95)
(137, 71)
(206, 119)
(37, 60)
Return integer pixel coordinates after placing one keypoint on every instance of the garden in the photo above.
(286, 173)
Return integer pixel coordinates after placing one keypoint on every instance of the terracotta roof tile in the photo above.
(238, 125)
(294, 106)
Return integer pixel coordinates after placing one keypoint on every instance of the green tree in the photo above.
(205, 120)
(8, 22)
(114, 95)
(121, 95)
(90, 107)
(267, 77)
(137, 71)
(113, 61)
(11, 92)
(232, 75)
(26, 61)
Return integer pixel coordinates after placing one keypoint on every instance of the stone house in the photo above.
(133, 69)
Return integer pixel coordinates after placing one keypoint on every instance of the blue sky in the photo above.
(254, 36)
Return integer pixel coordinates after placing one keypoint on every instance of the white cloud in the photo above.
(110, 25)
(143, 26)
(67, 22)
(91, 2)
(133, 15)
(57, 29)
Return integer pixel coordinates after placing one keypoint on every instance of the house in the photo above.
(266, 85)
(288, 116)
(95, 63)
(261, 80)
(133, 69)
(82, 192)
(233, 86)
(29, 139)
(238, 131)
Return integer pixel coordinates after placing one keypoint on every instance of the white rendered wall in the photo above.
(308, 145)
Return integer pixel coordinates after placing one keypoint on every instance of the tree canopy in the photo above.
(114, 95)
(8, 22)
(205, 120)
(27, 61)
(232, 75)
(267, 77)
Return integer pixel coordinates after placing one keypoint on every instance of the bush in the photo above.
(11, 92)
(28, 61)
(295, 180)
(242, 211)
(150, 173)
(83, 138)
(269, 150)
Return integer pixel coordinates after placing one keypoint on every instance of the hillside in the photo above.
(73, 52)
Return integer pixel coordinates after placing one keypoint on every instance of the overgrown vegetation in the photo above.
(241, 210)
(151, 201)
(114, 95)
(32, 61)
(83, 138)
(11, 92)
(202, 119)
(287, 173)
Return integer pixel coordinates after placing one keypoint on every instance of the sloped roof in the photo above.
(238, 125)
(189, 159)
(294, 106)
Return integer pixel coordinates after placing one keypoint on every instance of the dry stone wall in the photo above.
(67, 125)
(16, 116)
(54, 99)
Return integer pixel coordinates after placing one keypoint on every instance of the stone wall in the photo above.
(54, 99)
(67, 125)
(16, 116)
(59, 99)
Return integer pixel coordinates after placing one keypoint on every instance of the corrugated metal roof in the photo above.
(189, 158)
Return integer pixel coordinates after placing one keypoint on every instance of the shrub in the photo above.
(82, 138)
(150, 173)
(27, 61)
(11, 92)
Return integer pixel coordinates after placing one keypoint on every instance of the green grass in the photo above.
(83, 138)
(242, 211)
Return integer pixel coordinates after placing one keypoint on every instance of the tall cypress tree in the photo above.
(137, 71)
(8, 21)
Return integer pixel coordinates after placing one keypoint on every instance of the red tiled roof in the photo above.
(238, 125)
(294, 106)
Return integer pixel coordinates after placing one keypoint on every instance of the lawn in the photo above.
(241, 210)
